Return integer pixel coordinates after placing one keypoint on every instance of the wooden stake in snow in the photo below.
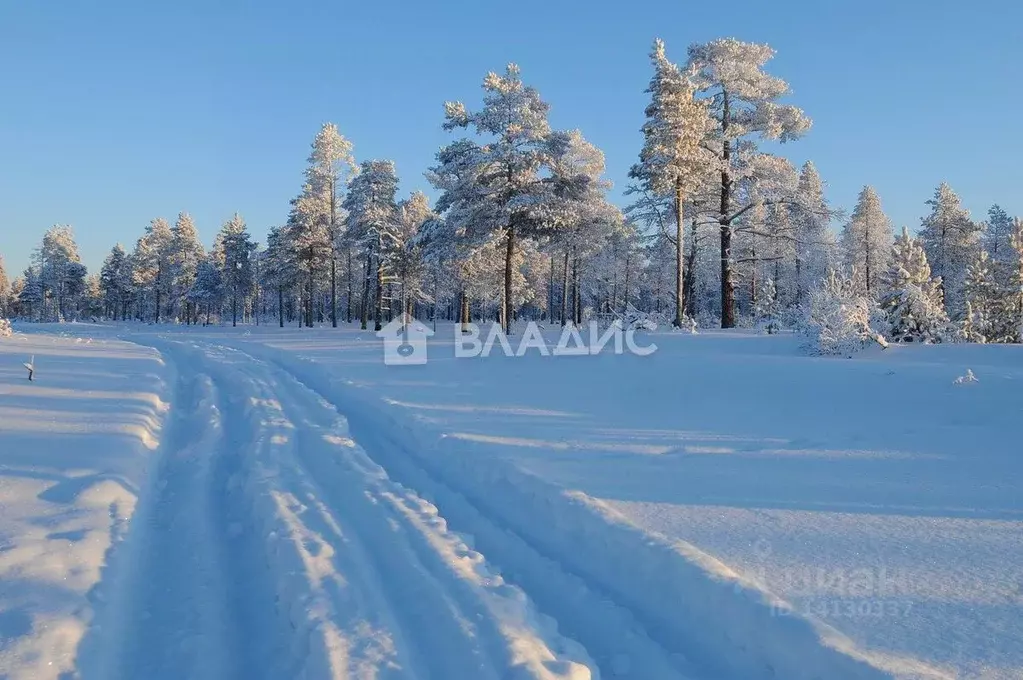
(31, 366)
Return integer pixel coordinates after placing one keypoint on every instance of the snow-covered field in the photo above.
(723, 508)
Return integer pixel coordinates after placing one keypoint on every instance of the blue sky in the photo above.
(115, 112)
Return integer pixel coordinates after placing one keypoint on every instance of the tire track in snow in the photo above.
(377, 586)
(182, 609)
(611, 634)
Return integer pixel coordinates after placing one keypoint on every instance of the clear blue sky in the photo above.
(115, 112)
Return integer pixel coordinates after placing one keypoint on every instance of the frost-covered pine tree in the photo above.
(372, 210)
(207, 290)
(233, 253)
(61, 273)
(493, 188)
(984, 319)
(951, 240)
(996, 237)
(780, 255)
(331, 166)
(912, 304)
(280, 271)
(838, 317)
(401, 253)
(674, 161)
(1013, 290)
(151, 265)
(186, 252)
(867, 242)
(815, 242)
(743, 101)
(579, 214)
(31, 295)
(5, 290)
(115, 282)
(309, 240)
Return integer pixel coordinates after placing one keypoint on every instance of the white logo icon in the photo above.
(404, 341)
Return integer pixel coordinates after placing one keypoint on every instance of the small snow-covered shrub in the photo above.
(708, 320)
(5, 328)
(915, 314)
(838, 318)
(649, 321)
(689, 325)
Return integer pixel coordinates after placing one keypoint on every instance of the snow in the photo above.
(75, 448)
(723, 508)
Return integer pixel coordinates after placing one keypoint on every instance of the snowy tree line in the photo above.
(717, 232)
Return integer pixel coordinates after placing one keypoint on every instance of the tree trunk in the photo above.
(365, 292)
(679, 281)
(333, 290)
(753, 276)
(159, 275)
(436, 293)
(508, 262)
(309, 309)
(799, 280)
(690, 285)
(280, 305)
(379, 295)
(348, 315)
(727, 285)
(625, 295)
(564, 290)
(550, 294)
(576, 311)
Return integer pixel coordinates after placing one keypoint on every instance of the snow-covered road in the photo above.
(273, 546)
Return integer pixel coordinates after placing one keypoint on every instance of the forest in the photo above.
(716, 232)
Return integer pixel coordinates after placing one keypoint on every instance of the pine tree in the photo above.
(492, 188)
(996, 237)
(151, 264)
(867, 242)
(31, 297)
(5, 291)
(331, 165)
(400, 251)
(207, 289)
(815, 243)
(61, 272)
(115, 282)
(743, 104)
(372, 211)
(186, 252)
(280, 271)
(309, 240)
(233, 252)
(983, 319)
(674, 161)
(951, 240)
(1013, 291)
(912, 304)
(580, 218)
